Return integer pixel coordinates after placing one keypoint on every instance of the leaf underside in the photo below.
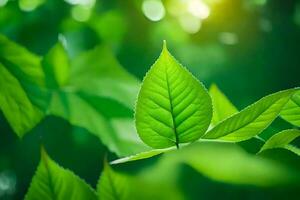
(173, 107)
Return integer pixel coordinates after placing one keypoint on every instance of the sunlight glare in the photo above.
(190, 23)
(154, 10)
(198, 9)
(3, 2)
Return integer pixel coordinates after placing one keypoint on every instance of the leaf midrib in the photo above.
(171, 110)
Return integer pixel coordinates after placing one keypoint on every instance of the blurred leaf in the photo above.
(30, 5)
(22, 99)
(222, 107)
(98, 95)
(253, 119)
(291, 111)
(56, 66)
(117, 186)
(113, 186)
(52, 182)
(173, 107)
(229, 163)
(282, 140)
(111, 26)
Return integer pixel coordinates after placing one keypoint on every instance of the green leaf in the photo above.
(173, 107)
(52, 182)
(228, 163)
(112, 185)
(142, 155)
(222, 107)
(56, 66)
(252, 120)
(22, 94)
(98, 94)
(291, 111)
(282, 140)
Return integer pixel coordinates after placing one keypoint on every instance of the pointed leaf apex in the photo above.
(44, 155)
(165, 49)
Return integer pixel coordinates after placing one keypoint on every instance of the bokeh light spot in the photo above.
(81, 13)
(30, 5)
(81, 2)
(153, 9)
(265, 25)
(3, 2)
(8, 182)
(190, 23)
(198, 9)
(228, 38)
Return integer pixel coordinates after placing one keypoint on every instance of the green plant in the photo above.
(173, 110)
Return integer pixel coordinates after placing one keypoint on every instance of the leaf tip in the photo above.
(164, 49)
(43, 150)
(44, 155)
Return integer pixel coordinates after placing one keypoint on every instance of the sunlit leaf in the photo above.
(52, 182)
(222, 107)
(283, 140)
(22, 99)
(291, 111)
(173, 107)
(252, 120)
(98, 95)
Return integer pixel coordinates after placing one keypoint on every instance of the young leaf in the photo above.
(282, 140)
(173, 107)
(97, 94)
(291, 111)
(252, 120)
(112, 185)
(52, 182)
(22, 97)
(222, 107)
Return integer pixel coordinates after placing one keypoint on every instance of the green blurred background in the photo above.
(249, 48)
